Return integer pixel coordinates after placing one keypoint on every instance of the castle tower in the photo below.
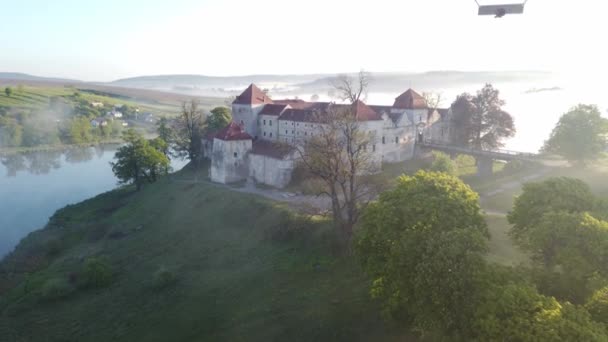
(231, 147)
(247, 106)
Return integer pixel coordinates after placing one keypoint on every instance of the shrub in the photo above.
(56, 288)
(443, 163)
(97, 273)
(54, 247)
(513, 166)
(164, 278)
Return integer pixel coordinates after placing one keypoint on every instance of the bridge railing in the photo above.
(497, 152)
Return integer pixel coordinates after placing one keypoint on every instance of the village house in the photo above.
(260, 143)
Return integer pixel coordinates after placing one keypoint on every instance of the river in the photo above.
(34, 185)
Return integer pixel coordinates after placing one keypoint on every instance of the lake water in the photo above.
(34, 185)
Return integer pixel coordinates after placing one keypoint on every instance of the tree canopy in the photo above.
(580, 135)
(479, 121)
(537, 199)
(219, 118)
(139, 160)
(423, 243)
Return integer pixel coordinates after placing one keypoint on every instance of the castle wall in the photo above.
(270, 171)
(268, 127)
(229, 161)
(247, 115)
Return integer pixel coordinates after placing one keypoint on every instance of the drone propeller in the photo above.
(499, 11)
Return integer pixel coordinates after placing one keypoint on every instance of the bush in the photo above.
(442, 163)
(56, 288)
(598, 305)
(97, 273)
(164, 278)
(513, 166)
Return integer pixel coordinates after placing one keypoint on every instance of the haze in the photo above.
(107, 40)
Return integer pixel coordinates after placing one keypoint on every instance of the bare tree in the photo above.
(188, 131)
(340, 155)
(352, 89)
(433, 100)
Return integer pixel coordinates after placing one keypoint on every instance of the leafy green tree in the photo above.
(423, 245)
(443, 163)
(138, 161)
(220, 117)
(598, 305)
(580, 135)
(80, 130)
(479, 121)
(8, 91)
(537, 199)
(517, 312)
(165, 133)
(11, 133)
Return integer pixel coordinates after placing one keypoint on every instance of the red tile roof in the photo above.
(364, 112)
(273, 109)
(314, 112)
(410, 100)
(233, 131)
(275, 150)
(252, 95)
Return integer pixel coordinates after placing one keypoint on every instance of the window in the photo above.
(271, 134)
(305, 133)
(374, 148)
(419, 118)
(242, 123)
(270, 122)
(264, 133)
(285, 131)
(396, 140)
(383, 141)
(292, 131)
(264, 122)
(236, 154)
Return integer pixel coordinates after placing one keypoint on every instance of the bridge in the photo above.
(485, 158)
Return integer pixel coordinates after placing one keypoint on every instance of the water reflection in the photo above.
(37, 163)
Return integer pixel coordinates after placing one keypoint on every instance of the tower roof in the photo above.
(233, 131)
(252, 95)
(410, 100)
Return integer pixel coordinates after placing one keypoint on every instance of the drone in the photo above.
(499, 11)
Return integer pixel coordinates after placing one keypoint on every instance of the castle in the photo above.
(258, 144)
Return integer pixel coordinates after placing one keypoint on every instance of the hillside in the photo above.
(18, 76)
(36, 95)
(238, 275)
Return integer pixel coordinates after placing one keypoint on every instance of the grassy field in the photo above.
(36, 96)
(238, 278)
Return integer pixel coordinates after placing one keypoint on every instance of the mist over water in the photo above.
(34, 185)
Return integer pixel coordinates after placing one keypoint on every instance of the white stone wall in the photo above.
(268, 127)
(247, 115)
(229, 160)
(271, 171)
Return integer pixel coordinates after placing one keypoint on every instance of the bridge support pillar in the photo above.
(484, 166)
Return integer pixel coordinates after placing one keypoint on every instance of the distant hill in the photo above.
(319, 83)
(27, 77)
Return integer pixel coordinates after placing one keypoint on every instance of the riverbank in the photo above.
(55, 148)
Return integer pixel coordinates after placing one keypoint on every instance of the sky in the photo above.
(106, 40)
